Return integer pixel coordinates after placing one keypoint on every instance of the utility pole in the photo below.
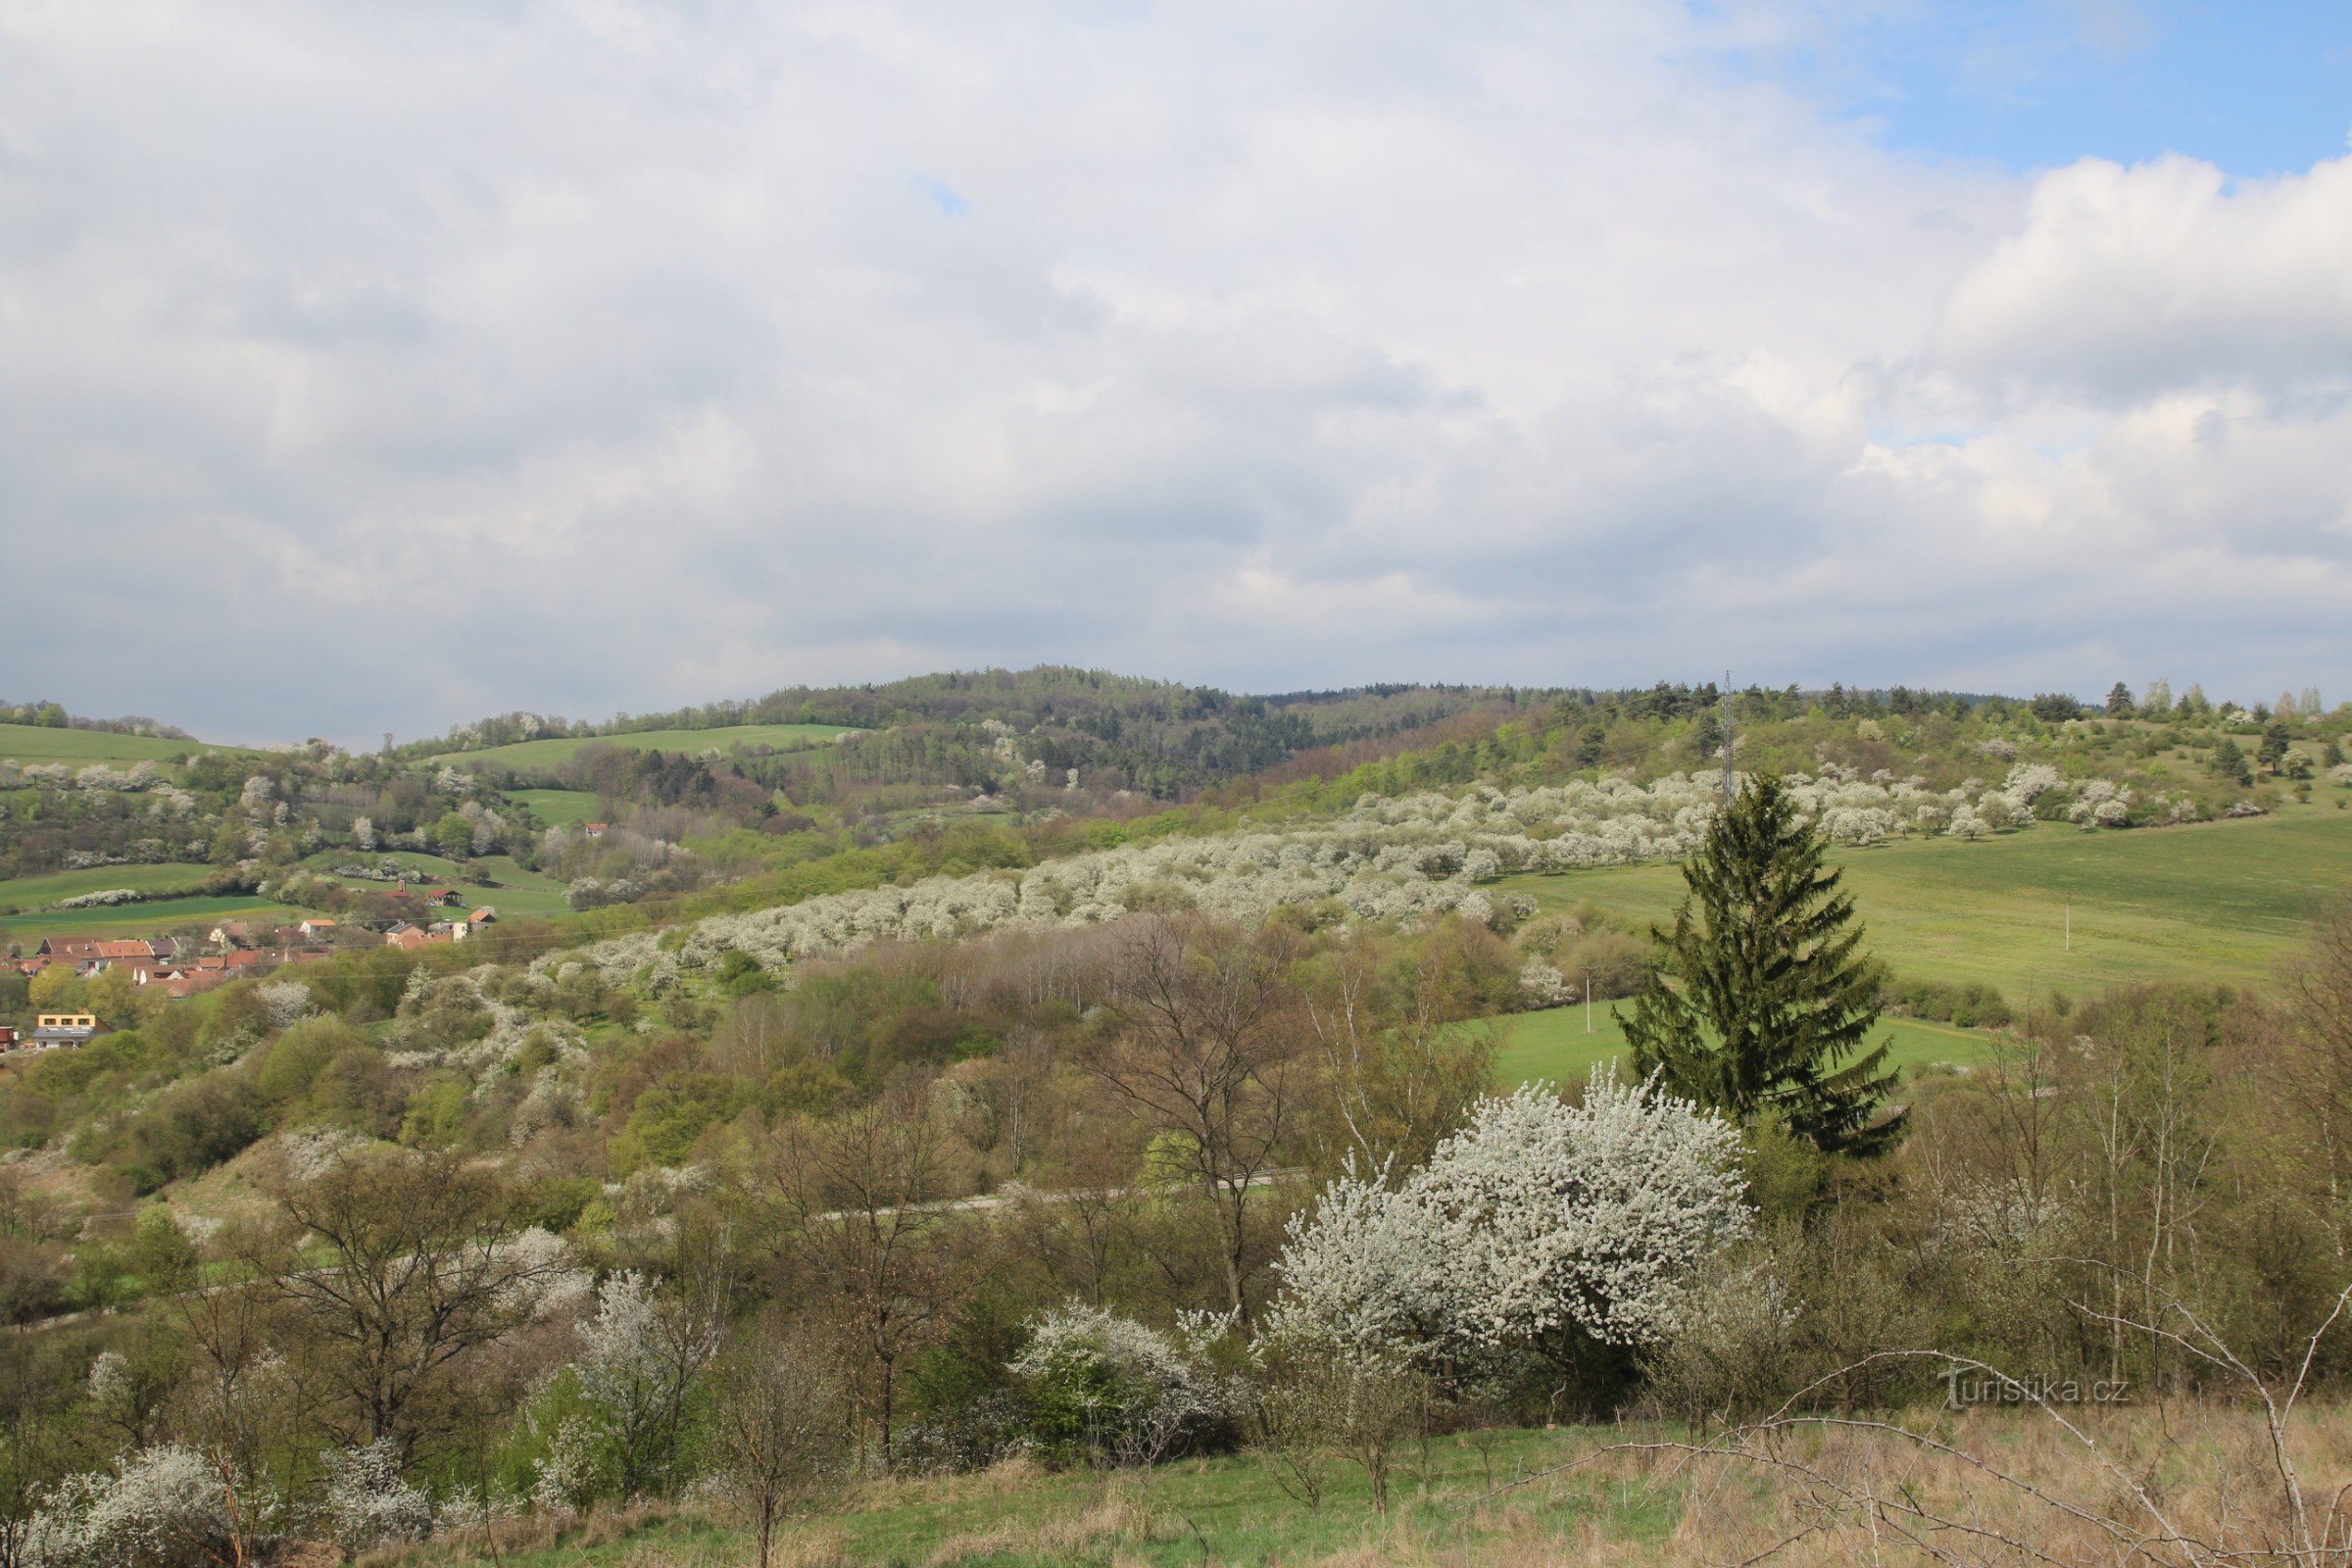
(1726, 704)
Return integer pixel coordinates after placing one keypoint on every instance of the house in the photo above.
(320, 929)
(55, 1029)
(79, 953)
(594, 830)
(243, 961)
(485, 915)
(444, 897)
(232, 934)
(407, 937)
(8, 1037)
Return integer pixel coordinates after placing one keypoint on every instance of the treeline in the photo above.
(52, 715)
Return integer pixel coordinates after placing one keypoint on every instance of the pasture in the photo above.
(146, 920)
(556, 808)
(2214, 902)
(547, 754)
(1553, 1045)
(39, 892)
(520, 895)
(80, 748)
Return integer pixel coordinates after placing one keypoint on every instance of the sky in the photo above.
(378, 367)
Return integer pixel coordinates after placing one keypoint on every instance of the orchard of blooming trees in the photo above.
(1384, 860)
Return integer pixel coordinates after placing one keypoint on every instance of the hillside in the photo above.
(648, 1116)
(548, 754)
(32, 743)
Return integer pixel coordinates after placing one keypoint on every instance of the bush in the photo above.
(369, 1502)
(1104, 1387)
(1972, 1006)
(165, 1507)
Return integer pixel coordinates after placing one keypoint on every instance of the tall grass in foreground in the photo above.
(2178, 1486)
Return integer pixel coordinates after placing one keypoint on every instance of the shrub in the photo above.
(369, 1502)
(1106, 1388)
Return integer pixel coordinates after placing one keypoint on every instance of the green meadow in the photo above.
(520, 895)
(39, 892)
(2215, 902)
(1554, 1045)
(146, 920)
(556, 808)
(693, 742)
(34, 743)
(1182, 1515)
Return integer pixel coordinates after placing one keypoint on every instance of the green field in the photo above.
(36, 892)
(693, 742)
(2222, 902)
(143, 920)
(33, 743)
(1229, 1511)
(520, 894)
(556, 808)
(1553, 1044)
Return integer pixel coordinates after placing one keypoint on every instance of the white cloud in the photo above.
(406, 362)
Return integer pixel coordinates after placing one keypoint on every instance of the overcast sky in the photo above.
(375, 367)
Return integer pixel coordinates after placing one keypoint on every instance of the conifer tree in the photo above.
(1768, 1004)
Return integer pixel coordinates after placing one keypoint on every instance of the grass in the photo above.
(2217, 901)
(1549, 1498)
(141, 919)
(1227, 1511)
(556, 808)
(520, 893)
(1553, 1044)
(35, 892)
(693, 742)
(34, 743)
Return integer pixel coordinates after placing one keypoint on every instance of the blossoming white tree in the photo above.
(1539, 1224)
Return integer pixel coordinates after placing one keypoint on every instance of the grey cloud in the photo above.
(378, 367)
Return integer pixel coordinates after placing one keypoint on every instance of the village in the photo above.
(232, 950)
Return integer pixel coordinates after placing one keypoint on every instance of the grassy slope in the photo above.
(1553, 1044)
(2216, 902)
(1229, 1511)
(32, 892)
(32, 743)
(549, 753)
(519, 892)
(558, 808)
(144, 919)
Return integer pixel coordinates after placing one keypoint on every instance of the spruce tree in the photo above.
(1765, 1003)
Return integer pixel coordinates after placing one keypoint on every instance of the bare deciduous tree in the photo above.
(1206, 1049)
(403, 1266)
(778, 1428)
(865, 1189)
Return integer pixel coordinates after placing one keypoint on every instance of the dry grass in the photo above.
(1115, 1519)
(2181, 1487)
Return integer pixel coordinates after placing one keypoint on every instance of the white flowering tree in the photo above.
(642, 1356)
(369, 1502)
(1539, 1226)
(1114, 1390)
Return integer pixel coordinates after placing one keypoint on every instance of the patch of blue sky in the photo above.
(950, 202)
(2256, 87)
